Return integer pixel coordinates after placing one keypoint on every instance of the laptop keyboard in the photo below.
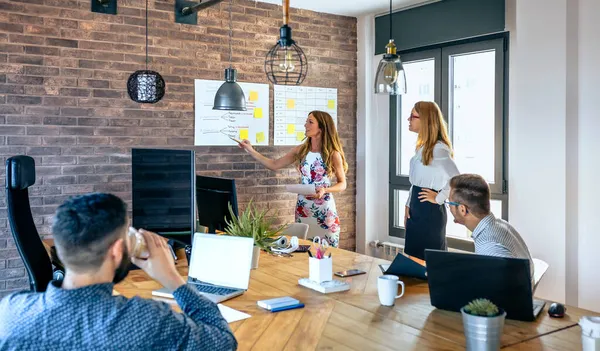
(214, 290)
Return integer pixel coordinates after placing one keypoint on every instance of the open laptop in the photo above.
(455, 279)
(404, 266)
(219, 268)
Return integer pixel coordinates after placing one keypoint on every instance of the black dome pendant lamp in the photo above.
(230, 96)
(145, 86)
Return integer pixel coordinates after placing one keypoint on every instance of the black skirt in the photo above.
(426, 227)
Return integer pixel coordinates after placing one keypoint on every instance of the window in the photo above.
(468, 83)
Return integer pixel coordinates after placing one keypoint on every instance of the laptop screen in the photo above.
(222, 260)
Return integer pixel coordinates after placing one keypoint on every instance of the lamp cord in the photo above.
(390, 19)
(230, 33)
(146, 35)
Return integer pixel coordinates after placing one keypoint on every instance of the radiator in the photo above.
(386, 250)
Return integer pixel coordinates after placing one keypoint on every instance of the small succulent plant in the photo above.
(482, 307)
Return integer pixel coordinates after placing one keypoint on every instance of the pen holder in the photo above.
(320, 270)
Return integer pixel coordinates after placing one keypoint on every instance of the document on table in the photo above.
(302, 189)
(232, 315)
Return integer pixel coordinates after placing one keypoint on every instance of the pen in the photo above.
(309, 253)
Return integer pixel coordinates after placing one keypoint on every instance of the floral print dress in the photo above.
(319, 214)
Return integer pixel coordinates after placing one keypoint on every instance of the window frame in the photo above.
(442, 53)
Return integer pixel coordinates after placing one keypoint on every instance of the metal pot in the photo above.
(483, 333)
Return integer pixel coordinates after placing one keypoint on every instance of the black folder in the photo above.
(403, 266)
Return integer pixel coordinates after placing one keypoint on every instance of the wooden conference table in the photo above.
(355, 320)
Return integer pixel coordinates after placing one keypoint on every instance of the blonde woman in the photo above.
(430, 171)
(319, 158)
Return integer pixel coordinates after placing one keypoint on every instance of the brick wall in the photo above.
(63, 99)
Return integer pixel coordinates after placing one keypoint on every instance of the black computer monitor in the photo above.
(213, 195)
(163, 189)
(456, 278)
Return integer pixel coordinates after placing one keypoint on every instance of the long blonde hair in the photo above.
(331, 142)
(433, 129)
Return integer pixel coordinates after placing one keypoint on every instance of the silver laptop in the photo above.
(219, 268)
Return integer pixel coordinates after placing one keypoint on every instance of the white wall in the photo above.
(372, 149)
(589, 154)
(553, 146)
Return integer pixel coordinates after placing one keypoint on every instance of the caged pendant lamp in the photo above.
(230, 96)
(145, 86)
(286, 62)
(390, 77)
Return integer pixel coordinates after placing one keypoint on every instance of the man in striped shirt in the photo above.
(469, 203)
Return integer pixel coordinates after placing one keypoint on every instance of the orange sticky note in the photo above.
(299, 136)
(243, 134)
(331, 104)
(291, 129)
(258, 113)
(260, 137)
(291, 103)
(253, 96)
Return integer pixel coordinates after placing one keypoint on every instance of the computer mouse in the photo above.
(557, 310)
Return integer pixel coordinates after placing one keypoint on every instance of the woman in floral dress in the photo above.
(319, 157)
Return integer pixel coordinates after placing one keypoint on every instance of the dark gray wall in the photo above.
(440, 22)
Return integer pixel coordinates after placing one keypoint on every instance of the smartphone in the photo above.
(349, 273)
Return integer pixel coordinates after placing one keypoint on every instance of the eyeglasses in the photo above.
(413, 117)
(451, 203)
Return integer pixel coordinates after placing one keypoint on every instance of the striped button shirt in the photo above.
(495, 237)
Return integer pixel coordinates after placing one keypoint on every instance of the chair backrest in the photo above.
(297, 229)
(539, 269)
(20, 175)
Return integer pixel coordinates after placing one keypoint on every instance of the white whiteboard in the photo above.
(292, 104)
(214, 127)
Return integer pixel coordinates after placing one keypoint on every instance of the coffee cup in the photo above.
(137, 244)
(387, 287)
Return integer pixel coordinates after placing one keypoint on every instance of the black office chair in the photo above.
(20, 175)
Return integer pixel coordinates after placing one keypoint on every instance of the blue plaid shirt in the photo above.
(90, 318)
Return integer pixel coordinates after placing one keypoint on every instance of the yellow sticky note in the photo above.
(243, 134)
(331, 104)
(291, 129)
(253, 96)
(291, 103)
(260, 137)
(258, 112)
(299, 136)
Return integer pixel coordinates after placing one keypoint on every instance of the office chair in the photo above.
(20, 175)
(296, 229)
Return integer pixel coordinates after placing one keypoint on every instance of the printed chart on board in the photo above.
(214, 127)
(292, 104)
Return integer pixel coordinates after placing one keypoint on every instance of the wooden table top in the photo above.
(354, 319)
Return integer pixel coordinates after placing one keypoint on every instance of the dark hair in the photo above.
(472, 191)
(85, 227)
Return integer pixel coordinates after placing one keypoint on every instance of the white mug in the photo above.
(387, 286)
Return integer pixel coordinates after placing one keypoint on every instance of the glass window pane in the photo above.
(400, 198)
(460, 231)
(472, 112)
(420, 77)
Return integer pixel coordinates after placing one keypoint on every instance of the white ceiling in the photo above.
(353, 8)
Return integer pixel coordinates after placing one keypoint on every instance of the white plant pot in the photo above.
(483, 333)
(255, 257)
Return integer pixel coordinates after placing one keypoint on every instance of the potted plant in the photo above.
(256, 224)
(483, 324)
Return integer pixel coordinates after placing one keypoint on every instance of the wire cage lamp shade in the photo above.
(286, 63)
(146, 86)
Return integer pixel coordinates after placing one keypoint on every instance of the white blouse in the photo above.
(434, 176)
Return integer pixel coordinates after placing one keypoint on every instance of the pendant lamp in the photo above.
(230, 96)
(286, 62)
(145, 86)
(390, 77)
